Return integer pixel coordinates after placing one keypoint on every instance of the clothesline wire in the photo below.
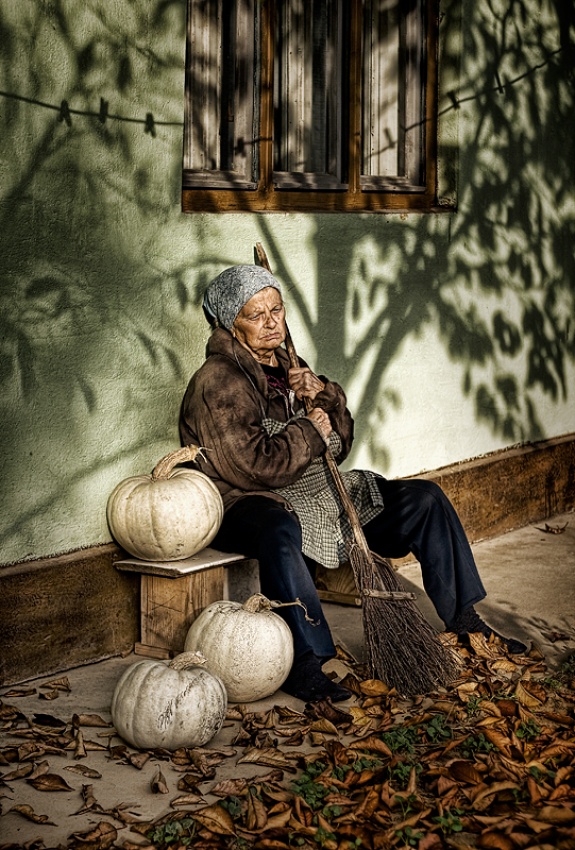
(65, 112)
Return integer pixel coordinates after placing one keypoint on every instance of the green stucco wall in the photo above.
(453, 333)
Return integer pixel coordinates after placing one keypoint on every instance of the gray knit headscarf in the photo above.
(230, 290)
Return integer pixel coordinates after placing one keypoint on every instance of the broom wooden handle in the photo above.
(346, 501)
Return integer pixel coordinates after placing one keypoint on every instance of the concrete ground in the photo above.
(530, 578)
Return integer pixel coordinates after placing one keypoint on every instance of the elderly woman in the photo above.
(266, 456)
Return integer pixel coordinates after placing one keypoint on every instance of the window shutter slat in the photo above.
(219, 133)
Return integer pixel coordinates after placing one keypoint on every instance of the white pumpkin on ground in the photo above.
(180, 704)
(249, 646)
(168, 515)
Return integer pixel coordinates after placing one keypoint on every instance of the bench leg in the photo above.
(168, 606)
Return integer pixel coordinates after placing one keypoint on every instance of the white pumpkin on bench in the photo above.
(169, 514)
(166, 521)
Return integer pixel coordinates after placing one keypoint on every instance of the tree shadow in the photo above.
(97, 331)
(497, 281)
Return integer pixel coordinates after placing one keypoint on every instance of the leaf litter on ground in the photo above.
(488, 762)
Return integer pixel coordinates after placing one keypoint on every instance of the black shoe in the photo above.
(469, 622)
(309, 683)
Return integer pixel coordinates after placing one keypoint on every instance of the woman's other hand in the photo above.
(321, 419)
(304, 383)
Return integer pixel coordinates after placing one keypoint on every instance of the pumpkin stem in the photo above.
(187, 659)
(259, 602)
(164, 466)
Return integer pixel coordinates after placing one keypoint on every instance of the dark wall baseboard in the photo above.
(512, 488)
(63, 612)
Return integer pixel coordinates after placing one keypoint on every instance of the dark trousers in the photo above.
(417, 518)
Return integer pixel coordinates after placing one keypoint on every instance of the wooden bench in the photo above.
(174, 593)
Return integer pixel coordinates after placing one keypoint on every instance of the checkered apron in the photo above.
(326, 530)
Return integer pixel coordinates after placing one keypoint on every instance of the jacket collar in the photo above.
(221, 342)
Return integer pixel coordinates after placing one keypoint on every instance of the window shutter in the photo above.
(393, 103)
(220, 134)
(297, 105)
(309, 61)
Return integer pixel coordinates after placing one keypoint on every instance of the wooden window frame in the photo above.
(358, 194)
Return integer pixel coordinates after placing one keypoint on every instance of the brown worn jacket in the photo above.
(223, 408)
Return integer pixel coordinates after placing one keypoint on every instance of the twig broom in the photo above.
(403, 650)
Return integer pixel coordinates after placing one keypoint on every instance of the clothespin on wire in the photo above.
(150, 127)
(64, 114)
(102, 117)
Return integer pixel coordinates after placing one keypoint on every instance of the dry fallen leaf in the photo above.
(89, 720)
(553, 529)
(50, 782)
(80, 747)
(216, 819)
(40, 769)
(484, 795)
(50, 695)
(556, 814)
(535, 689)
(229, 787)
(528, 696)
(29, 813)
(84, 770)
(484, 648)
(19, 773)
(257, 814)
(61, 684)
(49, 721)
(269, 756)
(374, 688)
(323, 725)
(19, 692)
(496, 747)
(100, 838)
(188, 783)
(465, 771)
(90, 802)
(159, 784)
(138, 760)
(504, 668)
(372, 743)
(187, 800)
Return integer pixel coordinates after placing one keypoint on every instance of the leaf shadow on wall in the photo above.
(496, 283)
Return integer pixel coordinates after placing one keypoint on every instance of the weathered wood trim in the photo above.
(62, 612)
(268, 197)
(512, 488)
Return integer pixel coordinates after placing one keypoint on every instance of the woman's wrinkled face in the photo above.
(260, 325)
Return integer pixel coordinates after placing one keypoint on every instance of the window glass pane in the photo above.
(219, 127)
(392, 92)
(307, 88)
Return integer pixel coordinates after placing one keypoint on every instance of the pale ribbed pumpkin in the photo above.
(249, 647)
(168, 515)
(180, 704)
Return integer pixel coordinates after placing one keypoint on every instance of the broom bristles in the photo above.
(404, 650)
